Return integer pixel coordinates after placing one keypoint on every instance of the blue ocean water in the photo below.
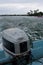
(28, 24)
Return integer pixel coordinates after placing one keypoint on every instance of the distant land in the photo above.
(30, 13)
(14, 15)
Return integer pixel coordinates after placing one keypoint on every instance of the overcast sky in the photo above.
(19, 6)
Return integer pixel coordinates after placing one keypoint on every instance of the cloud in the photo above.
(20, 1)
(19, 8)
(19, 5)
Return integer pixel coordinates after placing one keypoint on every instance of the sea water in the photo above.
(27, 23)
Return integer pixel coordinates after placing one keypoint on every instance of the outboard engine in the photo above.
(16, 44)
